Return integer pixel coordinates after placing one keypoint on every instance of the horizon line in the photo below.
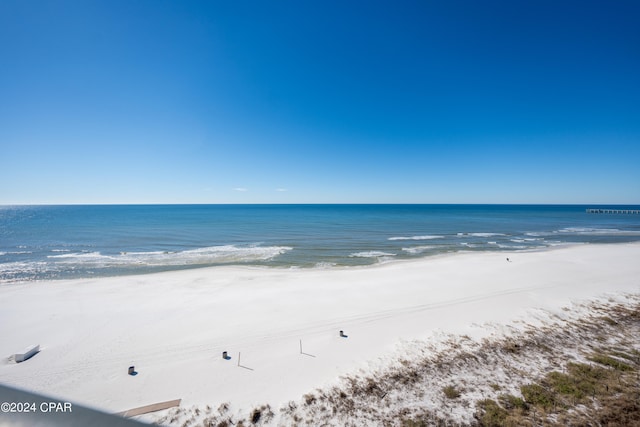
(321, 204)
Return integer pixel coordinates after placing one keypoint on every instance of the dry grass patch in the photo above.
(451, 392)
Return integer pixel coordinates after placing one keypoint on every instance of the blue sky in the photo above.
(154, 101)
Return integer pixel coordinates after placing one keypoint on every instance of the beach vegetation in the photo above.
(263, 413)
(490, 413)
(255, 416)
(538, 395)
(451, 392)
(610, 361)
(566, 385)
(631, 355)
(415, 423)
(509, 401)
(606, 393)
(309, 399)
(512, 347)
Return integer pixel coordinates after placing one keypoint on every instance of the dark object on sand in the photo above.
(132, 370)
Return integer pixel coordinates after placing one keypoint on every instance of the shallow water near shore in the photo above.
(61, 242)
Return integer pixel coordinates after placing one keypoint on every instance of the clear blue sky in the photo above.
(151, 101)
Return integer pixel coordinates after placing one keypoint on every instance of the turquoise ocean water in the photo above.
(59, 242)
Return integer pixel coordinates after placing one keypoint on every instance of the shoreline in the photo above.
(378, 264)
(173, 326)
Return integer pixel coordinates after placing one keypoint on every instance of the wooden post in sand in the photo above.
(238, 358)
(300, 346)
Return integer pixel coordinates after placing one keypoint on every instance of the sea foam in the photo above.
(370, 254)
(479, 234)
(207, 255)
(416, 238)
(598, 231)
(417, 249)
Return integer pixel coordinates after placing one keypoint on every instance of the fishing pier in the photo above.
(613, 211)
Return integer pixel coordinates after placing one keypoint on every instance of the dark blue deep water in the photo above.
(55, 242)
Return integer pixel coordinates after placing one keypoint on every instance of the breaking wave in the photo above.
(66, 264)
(208, 255)
(416, 238)
(370, 254)
(584, 231)
(480, 234)
(599, 231)
(417, 249)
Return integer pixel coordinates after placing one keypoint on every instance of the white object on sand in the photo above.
(27, 353)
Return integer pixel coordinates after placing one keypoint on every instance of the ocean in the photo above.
(63, 242)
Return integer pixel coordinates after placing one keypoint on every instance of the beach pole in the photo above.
(300, 346)
(238, 358)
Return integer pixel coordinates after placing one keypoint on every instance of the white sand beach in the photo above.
(174, 326)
